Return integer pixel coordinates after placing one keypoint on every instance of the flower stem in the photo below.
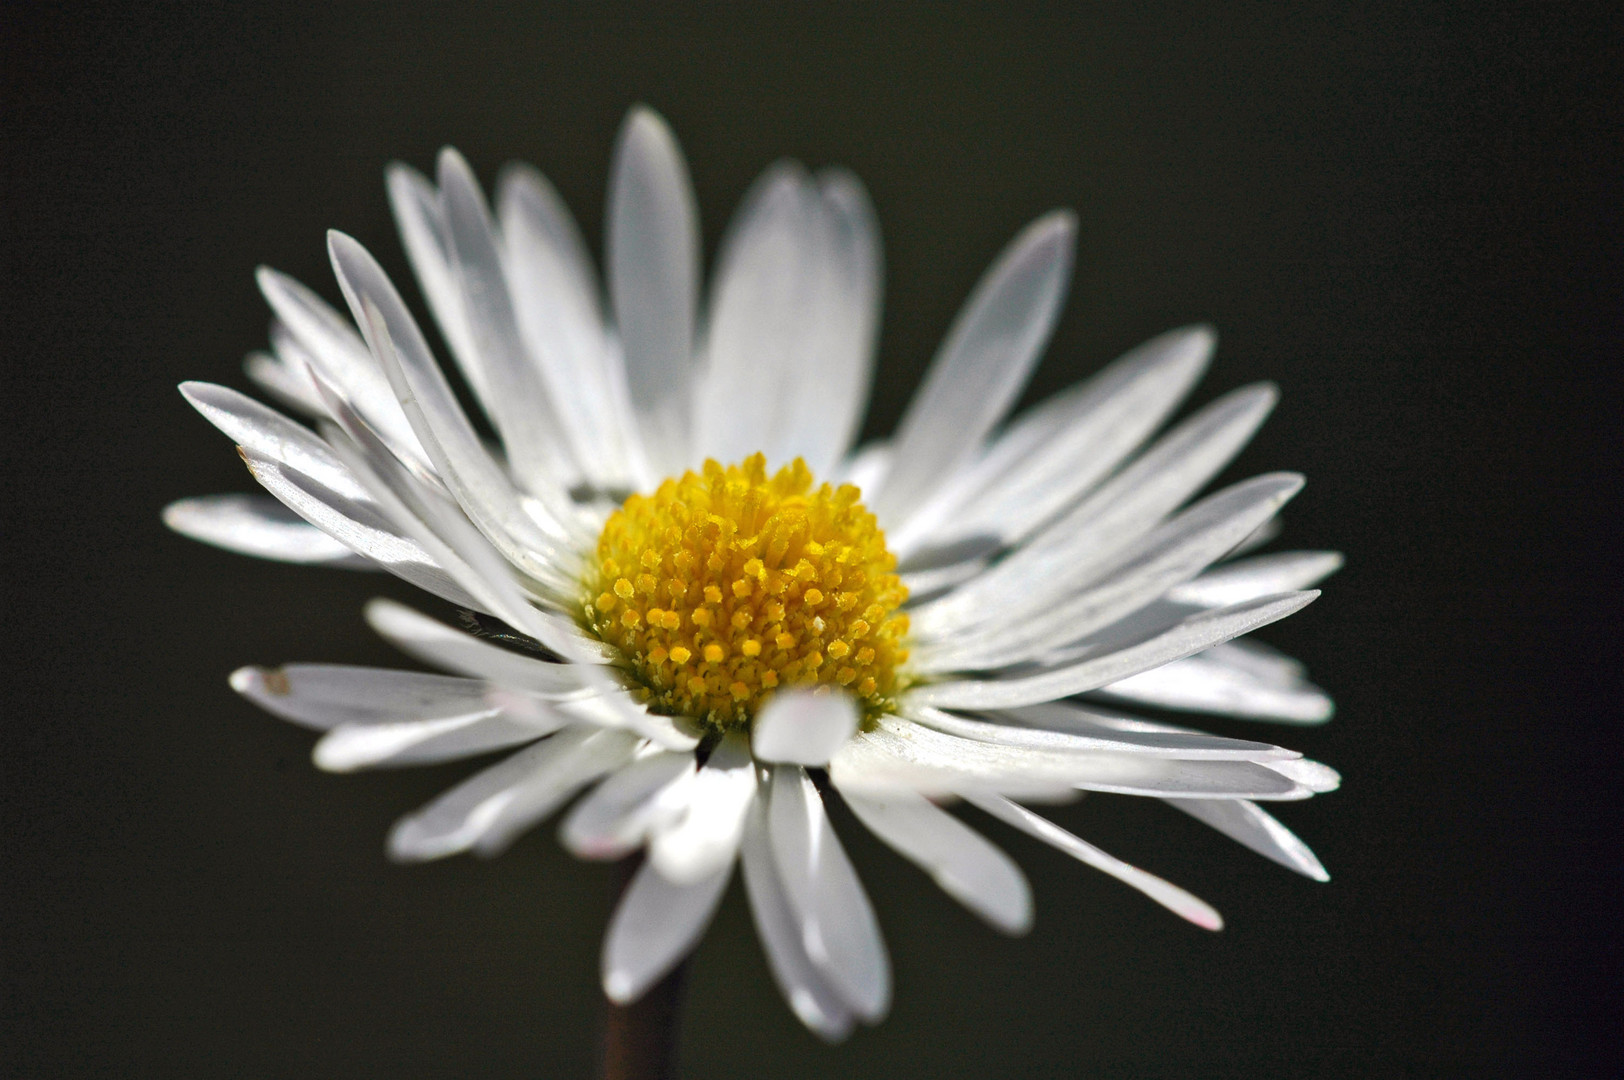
(640, 1039)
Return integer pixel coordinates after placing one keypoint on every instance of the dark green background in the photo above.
(1405, 214)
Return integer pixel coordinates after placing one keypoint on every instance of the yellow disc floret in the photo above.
(722, 587)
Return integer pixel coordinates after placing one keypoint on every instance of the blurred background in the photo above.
(1405, 214)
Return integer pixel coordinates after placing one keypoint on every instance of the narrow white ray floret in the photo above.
(692, 606)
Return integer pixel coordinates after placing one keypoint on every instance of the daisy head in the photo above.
(693, 610)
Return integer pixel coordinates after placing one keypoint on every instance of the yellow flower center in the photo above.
(722, 587)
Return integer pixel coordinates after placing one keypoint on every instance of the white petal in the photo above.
(762, 301)
(435, 643)
(325, 696)
(490, 809)
(1313, 775)
(424, 234)
(965, 864)
(1163, 892)
(1062, 448)
(270, 434)
(803, 728)
(706, 837)
(255, 525)
(899, 753)
(1071, 731)
(984, 362)
(1251, 825)
(322, 338)
(1205, 683)
(517, 398)
(421, 742)
(652, 226)
(1030, 628)
(287, 384)
(838, 929)
(1233, 582)
(808, 991)
(1193, 634)
(655, 926)
(1116, 516)
(843, 361)
(615, 819)
(461, 460)
(359, 526)
(560, 313)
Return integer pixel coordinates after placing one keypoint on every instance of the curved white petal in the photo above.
(1163, 892)
(1249, 824)
(652, 226)
(490, 809)
(656, 925)
(359, 526)
(435, 643)
(1063, 447)
(802, 727)
(325, 696)
(1028, 627)
(461, 460)
(838, 929)
(808, 991)
(1071, 731)
(350, 747)
(617, 816)
(1114, 517)
(1206, 683)
(1244, 579)
(560, 313)
(899, 753)
(285, 382)
(1189, 636)
(517, 397)
(984, 362)
(256, 525)
(321, 337)
(965, 864)
(706, 835)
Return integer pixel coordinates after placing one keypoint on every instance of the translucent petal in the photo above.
(1071, 732)
(617, 816)
(967, 866)
(803, 728)
(1115, 517)
(1251, 825)
(256, 525)
(838, 928)
(898, 753)
(1189, 636)
(1062, 448)
(984, 362)
(421, 742)
(652, 227)
(325, 696)
(1031, 626)
(490, 809)
(1163, 892)
(560, 313)
(359, 526)
(808, 991)
(435, 643)
(1205, 683)
(518, 399)
(705, 837)
(657, 923)
(1245, 579)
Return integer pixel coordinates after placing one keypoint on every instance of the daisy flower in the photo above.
(691, 603)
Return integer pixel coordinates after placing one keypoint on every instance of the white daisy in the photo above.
(707, 650)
